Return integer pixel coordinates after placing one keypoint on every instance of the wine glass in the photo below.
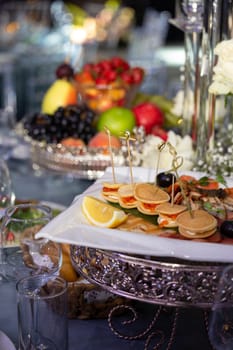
(24, 253)
(189, 15)
(221, 318)
(193, 9)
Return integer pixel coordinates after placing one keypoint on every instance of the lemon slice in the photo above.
(102, 214)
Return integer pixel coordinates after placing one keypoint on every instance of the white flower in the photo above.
(224, 49)
(150, 153)
(178, 106)
(223, 71)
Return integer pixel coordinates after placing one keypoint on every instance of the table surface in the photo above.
(96, 334)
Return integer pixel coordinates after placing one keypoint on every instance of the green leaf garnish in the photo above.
(207, 206)
(150, 218)
(204, 181)
(221, 180)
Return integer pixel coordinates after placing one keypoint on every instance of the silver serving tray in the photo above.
(163, 281)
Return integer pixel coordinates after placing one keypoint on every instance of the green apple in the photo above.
(60, 94)
(117, 120)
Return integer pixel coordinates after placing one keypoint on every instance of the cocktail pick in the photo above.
(160, 148)
(176, 164)
(172, 150)
(128, 139)
(111, 153)
(172, 194)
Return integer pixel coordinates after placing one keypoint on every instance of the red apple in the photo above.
(148, 115)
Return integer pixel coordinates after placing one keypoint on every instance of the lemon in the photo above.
(102, 214)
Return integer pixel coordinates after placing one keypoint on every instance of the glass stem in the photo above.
(206, 112)
(191, 82)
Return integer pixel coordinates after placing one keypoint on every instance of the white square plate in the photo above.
(72, 227)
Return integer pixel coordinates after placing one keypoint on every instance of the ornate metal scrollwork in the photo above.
(168, 282)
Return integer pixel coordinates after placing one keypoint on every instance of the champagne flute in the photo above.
(221, 318)
(26, 254)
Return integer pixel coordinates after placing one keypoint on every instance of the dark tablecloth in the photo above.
(190, 332)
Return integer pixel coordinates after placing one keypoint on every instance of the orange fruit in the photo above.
(67, 271)
(101, 140)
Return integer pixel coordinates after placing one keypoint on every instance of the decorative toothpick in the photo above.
(160, 148)
(176, 164)
(172, 194)
(111, 153)
(128, 139)
(172, 150)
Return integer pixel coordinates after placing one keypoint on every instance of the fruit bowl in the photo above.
(81, 162)
(102, 97)
(108, 83)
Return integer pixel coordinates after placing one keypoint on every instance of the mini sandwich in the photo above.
(148, 197)
(168, 213)
(196, 224)
(110, 191)
(126, 196)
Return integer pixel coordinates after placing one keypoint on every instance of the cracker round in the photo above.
(193, 235)
(150, 193)
(143, 210)
(170, 209)
(127, 205)
(198, 221)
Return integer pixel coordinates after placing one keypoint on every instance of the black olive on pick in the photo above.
(226, 228)
(165, 179)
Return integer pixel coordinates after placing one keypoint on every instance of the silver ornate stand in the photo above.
(167, 282)
(160, 281)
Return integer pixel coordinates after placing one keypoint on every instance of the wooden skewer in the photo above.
(173, 182)
(128, 139)
(160, 148)
(111, 153)
(176, 165)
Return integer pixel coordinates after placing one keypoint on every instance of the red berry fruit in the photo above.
(138, 74)
(120, 64)
(127, 77)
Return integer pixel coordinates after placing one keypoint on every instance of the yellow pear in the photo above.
(60, 94)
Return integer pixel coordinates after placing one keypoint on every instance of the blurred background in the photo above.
(36, 36)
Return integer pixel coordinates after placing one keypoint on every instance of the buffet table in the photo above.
(180, 327)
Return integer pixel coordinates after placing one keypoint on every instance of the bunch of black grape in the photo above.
(71, 121)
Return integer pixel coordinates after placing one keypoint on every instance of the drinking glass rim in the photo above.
(45, 209)
(45, 278)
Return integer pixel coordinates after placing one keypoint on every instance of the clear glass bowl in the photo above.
(102, 97)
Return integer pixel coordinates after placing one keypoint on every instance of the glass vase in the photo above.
(205, 23)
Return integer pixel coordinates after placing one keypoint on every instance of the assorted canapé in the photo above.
(184, 208)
